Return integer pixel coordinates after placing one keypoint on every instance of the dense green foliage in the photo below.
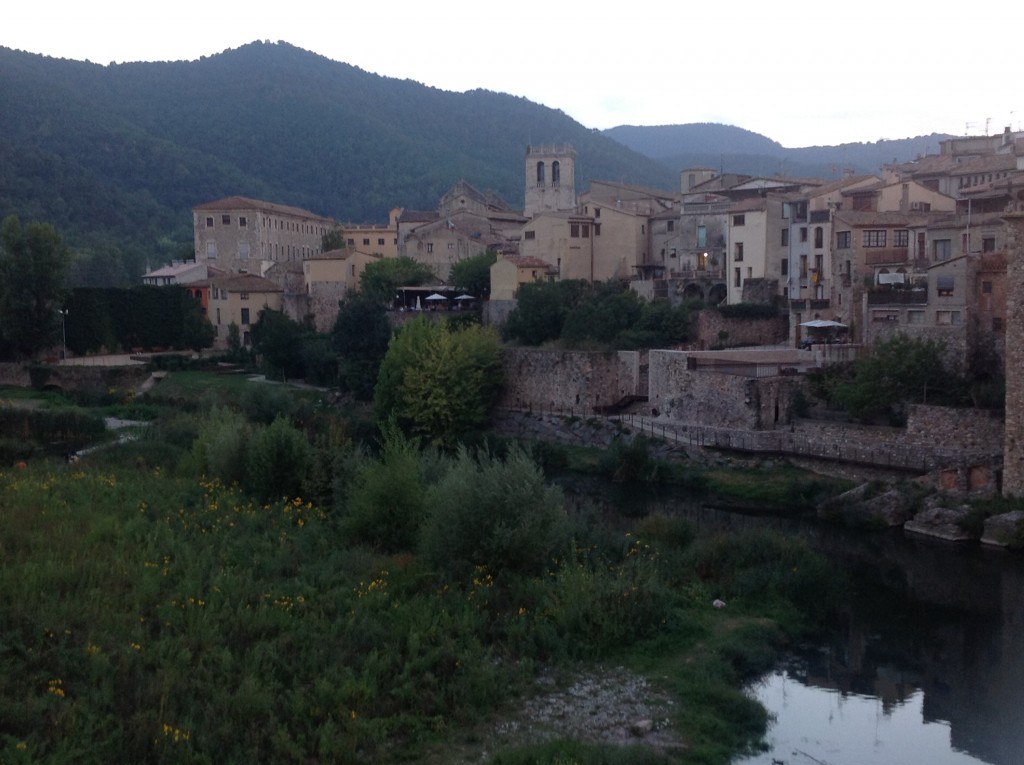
(33, 268)
(439, 382)
(165, 605)
(473, 275)
(600, 316)
(381, 278)
(119, 318)
(360, 336)
(895, 373)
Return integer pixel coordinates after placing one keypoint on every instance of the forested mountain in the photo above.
(733, 149)
(115, 156)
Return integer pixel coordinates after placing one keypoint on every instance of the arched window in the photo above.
(556, 173)
(540, 172)
(819, 235)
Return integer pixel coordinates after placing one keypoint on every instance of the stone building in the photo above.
(550, 173)
(328, 278)
(238, 300)
(238, 234)
(375, 239)
(1013, 448)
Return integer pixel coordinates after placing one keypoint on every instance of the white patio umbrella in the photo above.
(436, 296)
(819, 323)
(465, 297)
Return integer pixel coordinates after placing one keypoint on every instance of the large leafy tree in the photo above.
(897, 372)
(33, 269)
(541, 310)
(438, 382)
(381, 278)
(474, 274)
(360, 336)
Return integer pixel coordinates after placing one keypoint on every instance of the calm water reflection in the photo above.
(926, 666)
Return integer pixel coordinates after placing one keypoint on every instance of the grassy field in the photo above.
(156, 613)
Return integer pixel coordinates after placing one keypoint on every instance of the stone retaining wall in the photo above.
(547, 379)
(739, 332)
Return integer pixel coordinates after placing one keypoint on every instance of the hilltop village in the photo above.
(919, 248)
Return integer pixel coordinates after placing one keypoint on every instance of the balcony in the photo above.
(916, 296)
(884, 256)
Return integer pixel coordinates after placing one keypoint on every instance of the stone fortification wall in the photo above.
(971, 429)
(568, 380)
(323, 303)
(99, 379)
(717, 400)
(711, 325)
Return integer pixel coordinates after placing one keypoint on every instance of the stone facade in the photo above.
(550, 173)
(568, 380)
(1013, 450)
(715, 330)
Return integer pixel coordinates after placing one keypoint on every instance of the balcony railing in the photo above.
(918, 296)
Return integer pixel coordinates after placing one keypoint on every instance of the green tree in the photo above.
(279, 340)
(541, 310)
(278, 459)
(607, 311)
(897, 372)
(33, 269)
(439, 382)
(381, 278)
(474, 274)
(197, 332)
(332, 240)
(360, 337)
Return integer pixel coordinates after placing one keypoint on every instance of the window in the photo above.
(736, 278)
(351, 242)
(211, 249)
(380, 241)
(243, 250)
(915, 317)
(209, 221)
(874, 238)
(803, 233)
(819, 237)
(901, 238)
(947, 318)
(883, 316)
(585, 230)
(430, 246)
(944, 285)
(245, 316)
(225, 219)
(597, 212)
(843, 240)
(943, 249)
(739, 220)
(242, 221)
(556, 173)
(451, 245)
(986, 288)
(671, 225)
(785, 237)
(597, 229)
(540, 172)
(738, 251)
(785, 210)
(529, 235)
(574, 230)
(702, 237)
(672, 252)
(366, 241)
(785, 266)
(988, 244)
(243, 295)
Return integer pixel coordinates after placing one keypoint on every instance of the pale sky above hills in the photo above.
(802, 73)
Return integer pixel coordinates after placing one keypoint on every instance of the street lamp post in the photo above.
(63, 333)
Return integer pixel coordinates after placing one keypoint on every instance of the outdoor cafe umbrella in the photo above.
(436, 296)
(821, 324)
(465, 297)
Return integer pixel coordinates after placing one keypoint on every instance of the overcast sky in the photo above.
(802, 73)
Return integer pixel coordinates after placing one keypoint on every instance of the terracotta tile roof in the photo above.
(528, 261)
(245, 203)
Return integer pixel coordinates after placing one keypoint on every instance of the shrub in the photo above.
(495, 515)
(278, 461)
(220, 450)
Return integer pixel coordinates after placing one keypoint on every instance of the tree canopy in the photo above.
(382, 277)
(473, 274)
(360, 337)
(33, 269)
(438, 382)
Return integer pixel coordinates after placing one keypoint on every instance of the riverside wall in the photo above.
(569, 380)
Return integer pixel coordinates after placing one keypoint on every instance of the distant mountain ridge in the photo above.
(733, 149)
(115, 156)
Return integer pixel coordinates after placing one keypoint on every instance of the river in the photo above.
(925, 666)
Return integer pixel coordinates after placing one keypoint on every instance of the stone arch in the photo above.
(556, 173)
(693, 292)
(717, 294)
(540, 172)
